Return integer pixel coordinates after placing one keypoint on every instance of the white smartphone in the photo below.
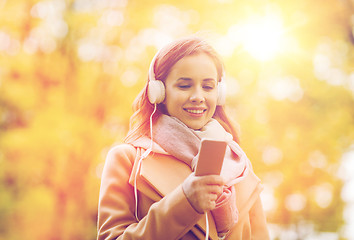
(211, 157)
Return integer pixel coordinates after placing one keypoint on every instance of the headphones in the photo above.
(156, 89)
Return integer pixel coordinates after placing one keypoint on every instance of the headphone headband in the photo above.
(152, 66)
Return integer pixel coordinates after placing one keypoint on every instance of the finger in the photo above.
(216, 180)
(213, 197)
(212, 180)
(215, 189)
(211, 204)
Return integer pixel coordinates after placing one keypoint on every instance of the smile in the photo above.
(195, 111)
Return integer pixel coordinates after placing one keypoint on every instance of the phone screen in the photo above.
(211, 157)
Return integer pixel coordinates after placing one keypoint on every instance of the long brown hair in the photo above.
(166, 58)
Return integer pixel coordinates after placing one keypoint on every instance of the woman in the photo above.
(149, 189)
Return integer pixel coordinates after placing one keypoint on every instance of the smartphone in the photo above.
(211, 157)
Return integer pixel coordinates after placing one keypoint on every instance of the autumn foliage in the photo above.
(70, 70)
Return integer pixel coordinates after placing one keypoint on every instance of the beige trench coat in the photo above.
(163, 209)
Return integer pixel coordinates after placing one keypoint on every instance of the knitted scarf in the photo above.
(183, 143)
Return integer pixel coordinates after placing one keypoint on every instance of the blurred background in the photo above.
(70, 70)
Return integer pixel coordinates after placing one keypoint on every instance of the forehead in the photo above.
(201, 65)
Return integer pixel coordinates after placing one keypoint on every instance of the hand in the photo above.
(202, 191)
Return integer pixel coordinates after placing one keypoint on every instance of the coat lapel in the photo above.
(164, 173)
(159, 175)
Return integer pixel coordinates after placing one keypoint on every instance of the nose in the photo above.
(197, 96)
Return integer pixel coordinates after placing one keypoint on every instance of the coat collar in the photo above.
(145, 143)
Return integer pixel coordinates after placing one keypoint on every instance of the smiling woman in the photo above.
(149, 189)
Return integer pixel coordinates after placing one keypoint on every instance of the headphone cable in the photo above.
(144, 155)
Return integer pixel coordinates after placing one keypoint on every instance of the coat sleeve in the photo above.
(258, 221)
(170, 218)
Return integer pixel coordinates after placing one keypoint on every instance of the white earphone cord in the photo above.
(146, 153)
(207, 227)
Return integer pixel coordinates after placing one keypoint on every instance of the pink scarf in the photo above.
(183, 143)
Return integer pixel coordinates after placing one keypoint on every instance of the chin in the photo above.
(195, 126)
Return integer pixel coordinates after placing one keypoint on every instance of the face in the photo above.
(191, 90)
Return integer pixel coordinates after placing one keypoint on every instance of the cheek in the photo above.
(212, 110)
(174, 98)
(172, 101)
(212, 104)
(213, 99)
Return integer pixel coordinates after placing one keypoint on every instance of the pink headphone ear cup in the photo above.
(156, 91)
(221, 93)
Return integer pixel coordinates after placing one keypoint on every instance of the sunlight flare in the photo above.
(263, 37)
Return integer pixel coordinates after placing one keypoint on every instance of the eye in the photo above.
(184, 86)
(209, 87)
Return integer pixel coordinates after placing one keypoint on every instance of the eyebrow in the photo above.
(184, 79)
(190, 79)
